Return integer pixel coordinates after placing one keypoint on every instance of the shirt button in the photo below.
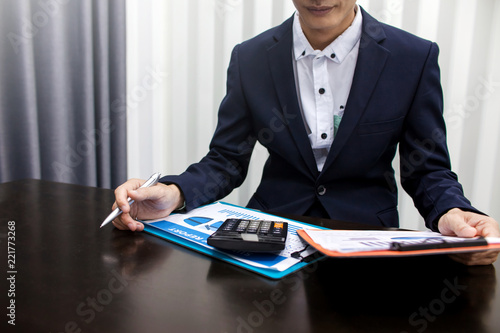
(324, 136)
(332, 55)
(321, 91)
(321, 190)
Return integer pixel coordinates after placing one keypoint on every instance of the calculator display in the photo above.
(250, 235)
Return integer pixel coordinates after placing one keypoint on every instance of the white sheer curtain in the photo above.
(178, 52)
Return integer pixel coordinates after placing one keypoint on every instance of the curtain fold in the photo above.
(62, 91)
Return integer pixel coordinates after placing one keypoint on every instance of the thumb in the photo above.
(456, 226)
(146, 193)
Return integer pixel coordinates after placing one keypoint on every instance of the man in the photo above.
(330, 93)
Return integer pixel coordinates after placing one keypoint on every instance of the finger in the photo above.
(139, 226)
(455, 225)
(122, 193)
(458, 228)
(126, 222)
(135, 226)
(148, 193)
(488, 228)
(119, 225)
(462, 229)
(122, 220)
(473, 259)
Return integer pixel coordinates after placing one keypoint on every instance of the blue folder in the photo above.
(269, 273)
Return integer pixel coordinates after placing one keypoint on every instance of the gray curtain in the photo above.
(63, 91)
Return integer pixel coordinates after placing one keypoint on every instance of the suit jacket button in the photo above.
(321, 190)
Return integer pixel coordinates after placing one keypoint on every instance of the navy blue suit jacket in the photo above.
(396, 98)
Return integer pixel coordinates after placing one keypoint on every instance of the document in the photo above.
(197, 225)
(349, 241)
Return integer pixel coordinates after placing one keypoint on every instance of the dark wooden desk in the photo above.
(74, 277)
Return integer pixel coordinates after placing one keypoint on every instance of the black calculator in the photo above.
(250, 235)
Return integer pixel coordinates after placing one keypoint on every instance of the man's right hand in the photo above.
(150, 203)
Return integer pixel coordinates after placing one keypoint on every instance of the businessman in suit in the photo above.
(330, 93)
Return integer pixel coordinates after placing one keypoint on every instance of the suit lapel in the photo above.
(280, 61)
(369, 66)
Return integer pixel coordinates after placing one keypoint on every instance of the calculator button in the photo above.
(253, 226)
(278, 228)
(229, 225)
(242, 226)
(264, 227)
(263, 230)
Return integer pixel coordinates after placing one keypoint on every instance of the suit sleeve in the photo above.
(226, 164)
(425, 166)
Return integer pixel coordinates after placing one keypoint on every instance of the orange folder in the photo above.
(390, 253)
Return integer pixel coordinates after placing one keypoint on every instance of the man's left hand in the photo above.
(458, 223)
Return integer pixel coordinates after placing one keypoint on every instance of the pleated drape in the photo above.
(62, 91)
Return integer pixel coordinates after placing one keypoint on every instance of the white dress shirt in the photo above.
(323, 79)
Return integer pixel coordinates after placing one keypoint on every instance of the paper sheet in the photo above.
(200, 223)
(346, 241)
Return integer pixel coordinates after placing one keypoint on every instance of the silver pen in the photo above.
(152, 181)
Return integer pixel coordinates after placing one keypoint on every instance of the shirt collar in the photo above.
(340, 47)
